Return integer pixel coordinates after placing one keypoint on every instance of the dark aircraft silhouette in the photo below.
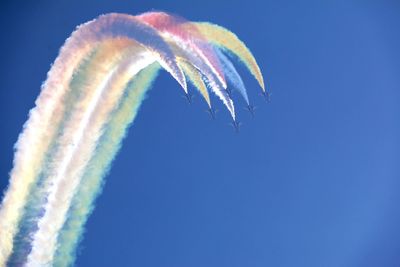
(189, 97)
(229, 92)
(212, 112)
(267, 96)
(236, 125)
(251, 109)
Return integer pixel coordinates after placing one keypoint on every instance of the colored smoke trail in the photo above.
(233, 75)
(92, 180)
(91, 96)
(228, 41)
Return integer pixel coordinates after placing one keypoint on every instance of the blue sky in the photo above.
(313, 180)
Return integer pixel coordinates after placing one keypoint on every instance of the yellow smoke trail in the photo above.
(195, 77)
(228, 40)
(84, 130)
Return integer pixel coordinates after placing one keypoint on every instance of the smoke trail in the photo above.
(89, 99)
(194, 47)
(195, 78)
(233, 75)
(40, 126)
(82, 87)
(189, 38)
(230, 42)
(85, 131)
(121, 25)
(37, 199)
(92, 180)
(33, 142)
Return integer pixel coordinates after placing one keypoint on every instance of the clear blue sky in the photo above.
(313, 180)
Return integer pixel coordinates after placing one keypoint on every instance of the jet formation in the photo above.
(236, 124)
